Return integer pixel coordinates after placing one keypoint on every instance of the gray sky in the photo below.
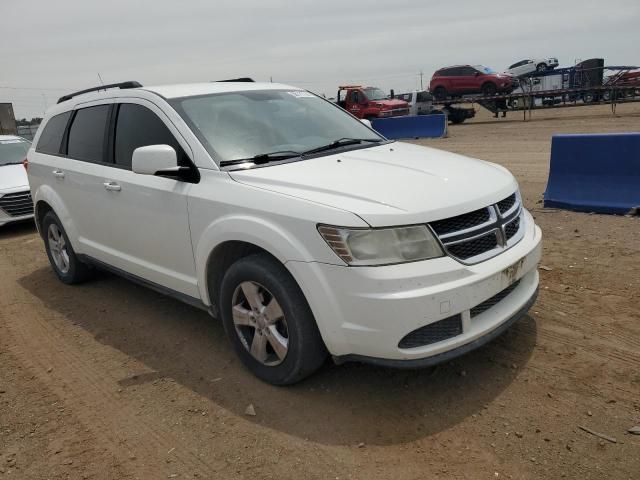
(52, 47)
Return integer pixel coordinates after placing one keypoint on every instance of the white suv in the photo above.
(301, 228)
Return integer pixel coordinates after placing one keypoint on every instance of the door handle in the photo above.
(112, 186)
(58, 173)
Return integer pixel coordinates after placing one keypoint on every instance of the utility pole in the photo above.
(421, 86)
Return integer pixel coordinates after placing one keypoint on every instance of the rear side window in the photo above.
(87, 134)
(51, 137)
(137, 126)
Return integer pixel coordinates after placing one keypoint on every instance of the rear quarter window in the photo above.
(50, 140)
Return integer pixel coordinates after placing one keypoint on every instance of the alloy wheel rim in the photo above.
(58, 248)
(260, 323)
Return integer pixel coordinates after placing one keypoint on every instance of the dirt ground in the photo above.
(108, 380)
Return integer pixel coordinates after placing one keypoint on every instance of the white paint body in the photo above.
(164, 230)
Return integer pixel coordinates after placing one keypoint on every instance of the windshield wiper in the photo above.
(10, 163)
(263, 158)
(341, 142)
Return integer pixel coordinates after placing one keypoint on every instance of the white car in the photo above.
(15, 197)
(302, 229)
(532, 65)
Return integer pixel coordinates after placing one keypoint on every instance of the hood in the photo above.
(12, 176)
(392, 103)
(393, 184)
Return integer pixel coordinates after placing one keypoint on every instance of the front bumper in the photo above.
(364, 312)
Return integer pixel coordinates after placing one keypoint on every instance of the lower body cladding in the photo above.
(422, 313)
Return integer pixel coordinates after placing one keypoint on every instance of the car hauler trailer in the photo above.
(581, 85)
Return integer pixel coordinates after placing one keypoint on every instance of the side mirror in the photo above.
(367, 122)
(154, 159)
(477, 74)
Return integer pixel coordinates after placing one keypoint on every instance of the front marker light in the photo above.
(381, 246)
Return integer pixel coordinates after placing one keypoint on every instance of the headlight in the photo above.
(382, 246)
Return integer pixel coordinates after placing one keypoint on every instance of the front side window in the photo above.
(137, 126)
(13, 151)
(87, 134)
(50, 140)
(241, 125)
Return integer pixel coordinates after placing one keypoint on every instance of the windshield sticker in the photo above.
(301, 94)
(6, 142)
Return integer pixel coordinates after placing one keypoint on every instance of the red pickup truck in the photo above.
(369, 102)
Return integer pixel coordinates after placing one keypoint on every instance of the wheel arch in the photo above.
(229, 239)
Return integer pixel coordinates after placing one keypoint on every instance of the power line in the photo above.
(7, 87)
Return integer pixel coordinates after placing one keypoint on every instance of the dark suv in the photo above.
(465, 79)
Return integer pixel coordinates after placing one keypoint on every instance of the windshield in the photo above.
(13, 151)
(241, 125)
(375, 94)
(484, 69)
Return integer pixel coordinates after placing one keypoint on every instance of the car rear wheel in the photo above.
(269, 322)
(489, 89)
(64, 261)
(440, 93)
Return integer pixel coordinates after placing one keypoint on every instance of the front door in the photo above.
(140, 223)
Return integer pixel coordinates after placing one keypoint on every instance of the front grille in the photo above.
(432, 333)
(478, 235)
(512, 228)
(493, 301)
(506, 204)
(461, 222)
(17, 204)
(475, 247)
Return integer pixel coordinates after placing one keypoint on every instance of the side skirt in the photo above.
(188, 299)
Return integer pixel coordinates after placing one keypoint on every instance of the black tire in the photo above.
(589, 97)
(305, 349)
(77, 271)
(440, 93)
(541, 67)
(489, 89)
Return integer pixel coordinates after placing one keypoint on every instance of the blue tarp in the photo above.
(415, 126)
(594, 173)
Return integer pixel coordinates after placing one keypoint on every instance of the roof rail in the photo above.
(241, 79)
(129, 84)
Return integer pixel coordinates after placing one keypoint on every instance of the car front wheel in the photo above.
(269, 322)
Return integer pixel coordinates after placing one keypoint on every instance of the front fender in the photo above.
(261, 232)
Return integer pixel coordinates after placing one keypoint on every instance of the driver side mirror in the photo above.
(155, 159)
(477, 74)
(367, 122)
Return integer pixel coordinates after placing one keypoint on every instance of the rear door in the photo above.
(75, 169)
(143, 227)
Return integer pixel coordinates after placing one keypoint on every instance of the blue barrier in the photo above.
(594, 173)
(415, 126)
